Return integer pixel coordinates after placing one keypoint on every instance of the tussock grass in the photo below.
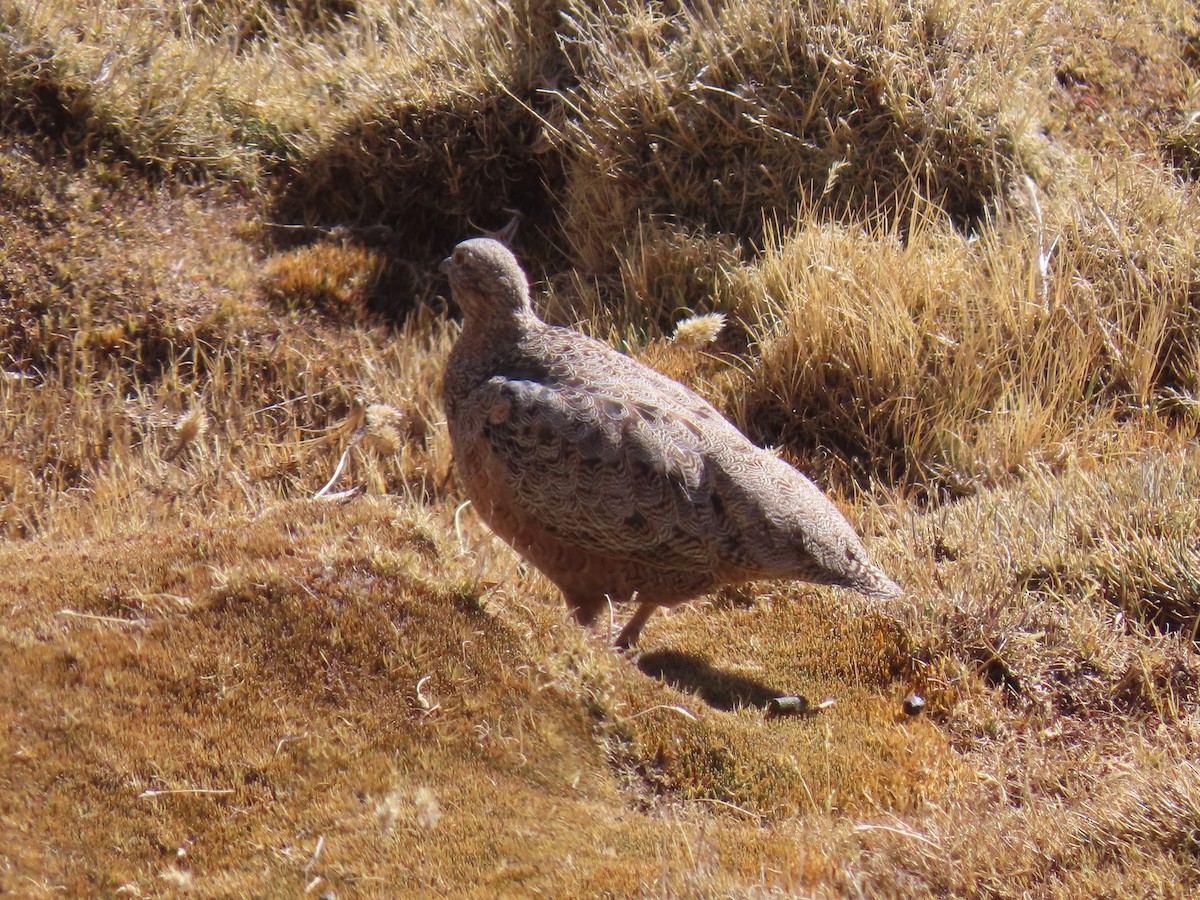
(252, 636)
(954, 359)
(722, 115)
(1070, 616)
(150, 304)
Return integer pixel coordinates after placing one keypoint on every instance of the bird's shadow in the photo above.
(719, 689)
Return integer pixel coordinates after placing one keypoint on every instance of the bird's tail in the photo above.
(872, 583)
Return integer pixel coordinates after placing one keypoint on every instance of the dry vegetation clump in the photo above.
(462, 146)
(721, 116)
(1071, 618)
(930, 359)
(1144, 563)
(156, 102)
(951, 360)
(337, 280)
(253, 642)
(261, 18)
(127, 307)
(1182, 145)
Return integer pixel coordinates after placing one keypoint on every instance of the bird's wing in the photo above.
(609, 473)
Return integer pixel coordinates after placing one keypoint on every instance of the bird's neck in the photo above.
(482, 348)
(501, 329)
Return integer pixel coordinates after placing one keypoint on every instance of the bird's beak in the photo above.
(444, 266)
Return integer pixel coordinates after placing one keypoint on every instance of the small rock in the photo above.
(788, 706)
(913, 704)
(796, 706)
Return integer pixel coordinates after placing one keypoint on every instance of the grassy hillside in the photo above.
(253, 641)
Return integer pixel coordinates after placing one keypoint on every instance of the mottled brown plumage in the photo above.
(615, 481)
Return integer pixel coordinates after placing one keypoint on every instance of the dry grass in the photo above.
(253, 642)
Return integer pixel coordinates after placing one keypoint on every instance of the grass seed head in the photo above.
(695, 332)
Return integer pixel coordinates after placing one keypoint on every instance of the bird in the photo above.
(618, 483)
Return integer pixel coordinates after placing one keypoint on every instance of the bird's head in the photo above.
(487, 281)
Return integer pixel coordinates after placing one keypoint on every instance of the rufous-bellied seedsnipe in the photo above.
(619, 483)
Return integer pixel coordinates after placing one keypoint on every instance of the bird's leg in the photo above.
(629, 634)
